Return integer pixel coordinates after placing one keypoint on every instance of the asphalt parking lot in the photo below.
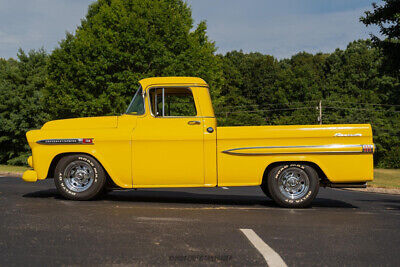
(194, 227)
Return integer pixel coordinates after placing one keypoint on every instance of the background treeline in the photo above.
(96, 70)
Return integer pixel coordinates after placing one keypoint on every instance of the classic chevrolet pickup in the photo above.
(169, 137)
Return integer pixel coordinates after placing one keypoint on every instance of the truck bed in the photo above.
(342, 152)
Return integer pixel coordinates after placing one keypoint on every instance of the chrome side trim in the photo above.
(70, 141)
(236, 151)
(347, 135)
(287, 153)
(319, 146)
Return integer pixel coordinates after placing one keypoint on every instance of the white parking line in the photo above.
(224, 187)
(271, 257)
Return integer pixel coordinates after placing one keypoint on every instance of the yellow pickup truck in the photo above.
(169, 137)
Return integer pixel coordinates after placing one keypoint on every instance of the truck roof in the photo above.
(194, 81)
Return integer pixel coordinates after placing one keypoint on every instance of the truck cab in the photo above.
(176, 132)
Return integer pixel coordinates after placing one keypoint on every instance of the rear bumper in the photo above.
(29, 176)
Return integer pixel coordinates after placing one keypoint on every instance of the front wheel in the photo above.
(293, 185)
(79, 177)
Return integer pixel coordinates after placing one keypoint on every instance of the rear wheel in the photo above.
(79, 177)
(293, 185)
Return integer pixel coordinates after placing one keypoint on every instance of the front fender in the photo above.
(111, 148)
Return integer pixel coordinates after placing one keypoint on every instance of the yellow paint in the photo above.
(147, 151)
(30, 162)
(29, 176)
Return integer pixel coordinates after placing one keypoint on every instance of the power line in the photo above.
(270, 104)
(297, 108)
(261, 110)
(372, 104)
(366, 109)
(309, 101)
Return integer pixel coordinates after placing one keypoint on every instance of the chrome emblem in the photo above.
(71, 141)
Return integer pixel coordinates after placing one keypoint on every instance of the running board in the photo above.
(348, 185)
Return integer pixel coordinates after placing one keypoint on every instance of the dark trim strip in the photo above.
(348, 185)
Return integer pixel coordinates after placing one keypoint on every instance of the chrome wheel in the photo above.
(78, 176)
(293, 183)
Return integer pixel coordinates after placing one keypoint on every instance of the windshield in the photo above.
(136, 107)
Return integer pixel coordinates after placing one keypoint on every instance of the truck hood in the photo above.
(82, 123)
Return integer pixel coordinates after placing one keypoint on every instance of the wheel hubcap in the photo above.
(293, 183)
(78, 176)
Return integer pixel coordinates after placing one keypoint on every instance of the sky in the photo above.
(279, 28)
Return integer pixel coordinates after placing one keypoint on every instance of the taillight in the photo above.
(368, 148)
(87, 141)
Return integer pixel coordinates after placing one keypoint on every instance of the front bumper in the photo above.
(29, 176)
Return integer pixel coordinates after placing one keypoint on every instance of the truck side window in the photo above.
(172, 102)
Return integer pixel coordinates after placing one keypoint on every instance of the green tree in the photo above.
(261, 90)
(96, 70)
(357, 91)
(21, 103)
(300, 84)
(387, 18)
(248, 80)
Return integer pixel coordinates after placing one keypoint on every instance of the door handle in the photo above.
(194, 122)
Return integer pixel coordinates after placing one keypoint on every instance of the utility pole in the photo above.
(320, 112)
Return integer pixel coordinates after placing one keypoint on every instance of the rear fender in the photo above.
(321, 174)
(339, 168)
